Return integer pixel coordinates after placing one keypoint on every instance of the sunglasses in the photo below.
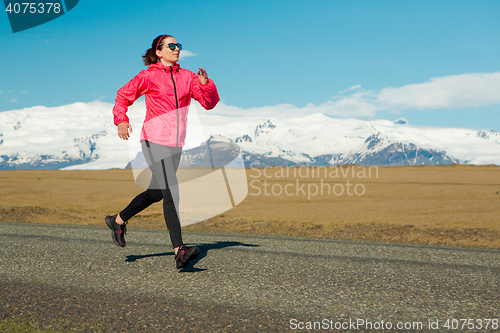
(172, 46)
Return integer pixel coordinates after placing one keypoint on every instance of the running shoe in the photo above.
(118, 231)
(185, 254)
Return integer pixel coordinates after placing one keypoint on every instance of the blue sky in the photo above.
(433, 62)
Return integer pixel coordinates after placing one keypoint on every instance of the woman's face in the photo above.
(166, 55)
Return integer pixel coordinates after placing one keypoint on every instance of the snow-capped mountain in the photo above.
(83, 136)
(378, 150)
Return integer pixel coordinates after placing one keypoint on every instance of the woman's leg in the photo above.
(163, 162)
(170, 194)
(138, 204)
(117, 223)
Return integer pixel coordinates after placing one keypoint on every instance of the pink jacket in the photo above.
(168, 90)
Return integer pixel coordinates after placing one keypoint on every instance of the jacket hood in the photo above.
(161, 66)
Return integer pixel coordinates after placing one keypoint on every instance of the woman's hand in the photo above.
(202, 76)
(123, 130)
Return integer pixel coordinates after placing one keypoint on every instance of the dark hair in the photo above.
(150, 56)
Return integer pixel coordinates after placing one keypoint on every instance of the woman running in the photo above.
(168, 89)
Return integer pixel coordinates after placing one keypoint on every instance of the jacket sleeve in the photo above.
(206, 95)
(127, 95)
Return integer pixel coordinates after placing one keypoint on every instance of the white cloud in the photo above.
(454, 91)
(185, 54)
(13, 100)
(351, 88)
(359, 104)
(356, 105)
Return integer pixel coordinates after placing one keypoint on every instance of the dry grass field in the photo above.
(452, 205)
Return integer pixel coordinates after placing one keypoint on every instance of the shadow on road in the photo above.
(134, 257)
(204, 248)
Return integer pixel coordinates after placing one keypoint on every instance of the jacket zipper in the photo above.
(176, 105)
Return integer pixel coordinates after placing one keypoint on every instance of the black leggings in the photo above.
(163, 162)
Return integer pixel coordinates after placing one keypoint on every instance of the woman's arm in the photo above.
(127, 95)
(204, 90)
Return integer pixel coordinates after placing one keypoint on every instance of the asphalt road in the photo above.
(74, 277)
